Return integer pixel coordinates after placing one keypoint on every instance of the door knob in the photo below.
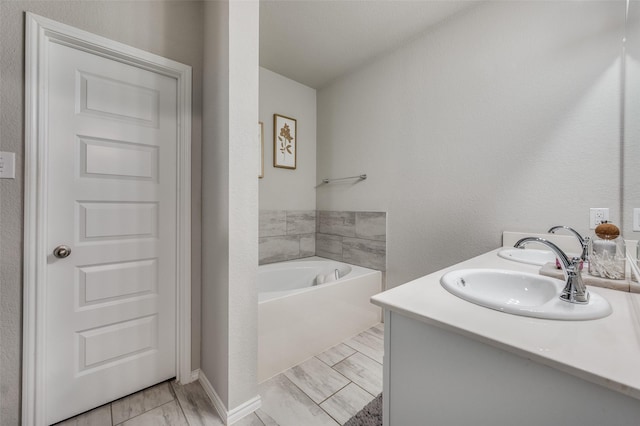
(61, 252)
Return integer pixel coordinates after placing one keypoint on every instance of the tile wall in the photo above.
(286, 235)
(358, 238)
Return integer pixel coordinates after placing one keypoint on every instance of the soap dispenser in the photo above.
(607, 254)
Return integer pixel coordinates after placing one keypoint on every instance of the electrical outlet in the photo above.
(7, 165)
(636, 219)
(597, 216)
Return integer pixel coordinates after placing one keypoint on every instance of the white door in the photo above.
(111, 198)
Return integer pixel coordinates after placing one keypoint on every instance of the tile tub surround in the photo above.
(358, 238)
(286, 235)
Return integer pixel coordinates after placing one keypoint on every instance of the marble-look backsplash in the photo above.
(286, 235)
(358, 238)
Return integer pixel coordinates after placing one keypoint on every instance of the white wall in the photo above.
(168, 28)
(215, 196)
(284, 189)
(230, 200)
(631, 122)
(244, 24)
(504, 117)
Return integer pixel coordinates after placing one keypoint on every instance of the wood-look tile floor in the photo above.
(324, 390)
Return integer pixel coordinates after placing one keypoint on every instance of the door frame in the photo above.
(40, 32)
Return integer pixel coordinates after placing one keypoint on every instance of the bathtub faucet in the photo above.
(574, 290)
(327, 278)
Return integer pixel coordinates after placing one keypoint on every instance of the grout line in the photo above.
(344, 360)
(171, 390)
(315, 403)
(374, 396)
(336, 371)
(299, 388)
(325, 363)
(179, 404)
(259, 419)
(368, 331)
(142, 414)
(355, 384)
(373, 349)
(362, 353)
(111, 413)
(329, 397)
(352, 380)
(334, 419)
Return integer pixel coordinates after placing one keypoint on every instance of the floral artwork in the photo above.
(285, 139)
(284, 142)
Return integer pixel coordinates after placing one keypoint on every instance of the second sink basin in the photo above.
(521, 293)
(530, 256)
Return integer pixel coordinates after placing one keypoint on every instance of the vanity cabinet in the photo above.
(449, 362)
(437, 377)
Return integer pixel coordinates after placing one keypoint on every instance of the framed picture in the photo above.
(261, 142)
(285, 142)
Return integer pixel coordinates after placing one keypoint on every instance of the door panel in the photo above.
(116, 281)
(118, 160)
(111, 189)
(107, 344)
(110, 98)
(117, 221)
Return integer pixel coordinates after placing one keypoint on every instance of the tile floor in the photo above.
(324, 390)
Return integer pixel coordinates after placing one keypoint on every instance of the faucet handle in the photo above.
(584, 241)
(575, 291)
(576, 264)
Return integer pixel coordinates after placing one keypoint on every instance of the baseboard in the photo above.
(244, 409)
(195, 375)
(229, 417)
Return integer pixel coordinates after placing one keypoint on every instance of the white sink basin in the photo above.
(530, 256)
(521, 293)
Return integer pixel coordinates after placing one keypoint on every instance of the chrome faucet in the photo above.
(584, 241)
(574, 290)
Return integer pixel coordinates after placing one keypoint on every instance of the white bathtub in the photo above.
(300, 316)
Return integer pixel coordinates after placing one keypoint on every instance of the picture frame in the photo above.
(261, 143)
(285, 142)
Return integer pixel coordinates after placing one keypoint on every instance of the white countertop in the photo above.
(604, 351)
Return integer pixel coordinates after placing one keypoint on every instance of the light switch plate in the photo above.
(636, 219)
(7, 165)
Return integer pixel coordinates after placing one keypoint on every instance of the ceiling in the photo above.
(316, 41)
